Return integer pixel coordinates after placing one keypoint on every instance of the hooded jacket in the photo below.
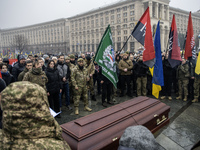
(27, 122)
(36, 75)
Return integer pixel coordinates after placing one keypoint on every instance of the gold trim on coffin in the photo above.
(161, 121)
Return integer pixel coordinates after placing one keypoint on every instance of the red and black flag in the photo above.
(142, 33)
(174, 49)
(190, 42)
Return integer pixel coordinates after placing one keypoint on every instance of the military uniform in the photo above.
(125, 76)
(91, 70)
(27, 122)
(79, 80)
(71, 68)
(21, 75)
(183, 75)
(36, 75)
(196, 88)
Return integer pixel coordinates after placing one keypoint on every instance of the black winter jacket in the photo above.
(8, 78)
(103, 78)
(54, 83)
(140, 69)
(6, 60)
(167, 69)
(17, 69)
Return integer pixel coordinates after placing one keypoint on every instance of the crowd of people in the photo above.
(76, 77)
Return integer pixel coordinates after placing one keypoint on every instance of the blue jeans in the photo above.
(67, 97)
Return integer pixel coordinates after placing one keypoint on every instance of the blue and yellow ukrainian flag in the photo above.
(157, 70)
(197, 68)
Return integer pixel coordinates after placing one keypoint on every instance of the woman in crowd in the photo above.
(6, 76)
(54, 86)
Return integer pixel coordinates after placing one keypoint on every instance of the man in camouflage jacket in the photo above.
(36, 75)
(28, 66)
(79, 78)
(183, 75)
(91, 70)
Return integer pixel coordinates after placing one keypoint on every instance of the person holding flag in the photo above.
(190, 54)
(105, 58)
(168, 73)
(174, 57)
(141, 71)
(142, 33)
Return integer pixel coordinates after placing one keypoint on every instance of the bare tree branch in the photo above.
(20, 42)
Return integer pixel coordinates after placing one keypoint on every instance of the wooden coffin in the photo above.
(103, 129)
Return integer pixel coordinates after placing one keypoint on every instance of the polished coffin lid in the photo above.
(114, 120)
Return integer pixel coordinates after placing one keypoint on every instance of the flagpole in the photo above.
(167, 48)
(124, 44)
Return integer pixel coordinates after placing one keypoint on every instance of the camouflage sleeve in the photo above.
(45, 78)
(185, 68)
(92, 68)
(26, 77)
(73, 77)
(20, 76)
(192, 72)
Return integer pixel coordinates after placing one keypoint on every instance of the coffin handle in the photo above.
(161, 121)
(114, 139)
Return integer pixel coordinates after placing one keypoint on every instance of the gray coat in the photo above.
(64, 71)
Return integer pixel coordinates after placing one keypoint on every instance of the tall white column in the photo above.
(167, 13)
(162, 37)
(142, 8)
(162, 11)
(150, 8)
(156, 10)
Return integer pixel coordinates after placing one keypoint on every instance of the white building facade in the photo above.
(83, 32)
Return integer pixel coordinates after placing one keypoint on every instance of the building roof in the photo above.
(34, 25)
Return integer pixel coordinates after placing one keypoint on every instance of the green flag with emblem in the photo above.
(105, 57)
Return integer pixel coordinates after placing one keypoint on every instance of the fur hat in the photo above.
(138, 138)
(45, 56)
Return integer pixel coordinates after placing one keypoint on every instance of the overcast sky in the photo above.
(19, 13)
